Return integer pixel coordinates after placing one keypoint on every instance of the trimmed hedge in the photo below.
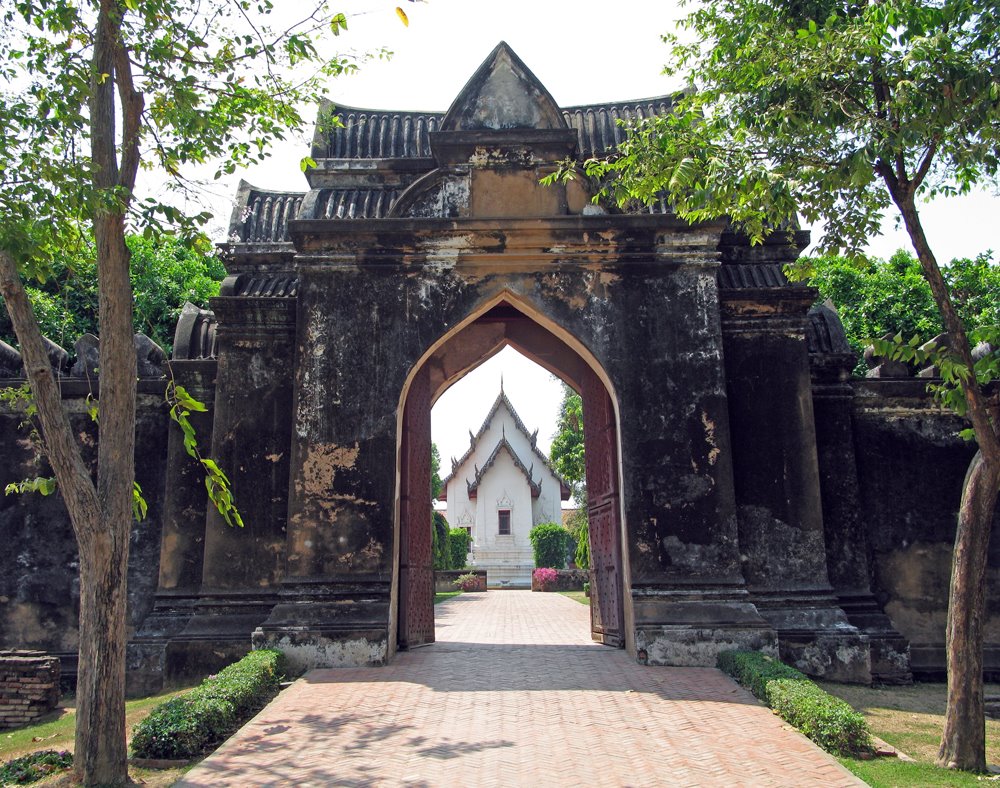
(194, 723)
(549, 543)
(828, 721)
(458, 545)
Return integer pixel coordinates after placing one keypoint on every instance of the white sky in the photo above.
(583, 52)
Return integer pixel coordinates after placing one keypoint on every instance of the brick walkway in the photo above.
(514, 693)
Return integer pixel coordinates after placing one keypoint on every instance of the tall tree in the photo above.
(436, 482)
(166, 272)
(567, 444)
(567, 455)
(92, 90)
(875, 297)
(841, 111)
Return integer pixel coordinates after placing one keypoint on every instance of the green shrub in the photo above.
(187, 726)
(34, 766)
(458, 545)
(549, 542)
(828, 721)
(582, 556)
(439, 548)
(753, 670)
(183, 727)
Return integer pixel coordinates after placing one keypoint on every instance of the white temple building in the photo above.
(499, 490)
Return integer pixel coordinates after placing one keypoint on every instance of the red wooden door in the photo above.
(601, 453)
(416, 570)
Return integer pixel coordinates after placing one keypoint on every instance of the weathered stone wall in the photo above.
(911, 466)
(29, 687)
(39, 587)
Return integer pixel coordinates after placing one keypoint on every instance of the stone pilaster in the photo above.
(847, 550)
(182, 540)
(250, 442)
(777, 482)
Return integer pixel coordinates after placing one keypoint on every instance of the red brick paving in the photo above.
(514, 693)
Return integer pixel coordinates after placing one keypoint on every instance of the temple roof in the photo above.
(532, 437)
(503, 445)
(375, 164)
(394, 134)
(367, 157)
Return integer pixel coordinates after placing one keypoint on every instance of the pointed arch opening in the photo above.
(507, 321)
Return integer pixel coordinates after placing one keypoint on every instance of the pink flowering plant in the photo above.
(469, 582)
(545, 578)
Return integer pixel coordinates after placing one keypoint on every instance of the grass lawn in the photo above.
(911, 719)
(445, 595)
(577, 596)
(56, 732)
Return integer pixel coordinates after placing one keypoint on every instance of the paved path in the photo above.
(515, 694)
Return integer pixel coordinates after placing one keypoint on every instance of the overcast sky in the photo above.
(583, 52)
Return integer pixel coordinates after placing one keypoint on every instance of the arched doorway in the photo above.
(507, 321)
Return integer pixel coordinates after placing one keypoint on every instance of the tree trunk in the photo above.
(963, 742)
(101, 756)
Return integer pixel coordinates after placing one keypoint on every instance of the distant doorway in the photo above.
(507, 322)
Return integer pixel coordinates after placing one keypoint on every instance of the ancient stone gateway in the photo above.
(426, 244)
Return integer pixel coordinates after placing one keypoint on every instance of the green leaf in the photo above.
(139, 505)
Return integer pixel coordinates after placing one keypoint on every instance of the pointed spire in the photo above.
(501, 382)
(503, 94)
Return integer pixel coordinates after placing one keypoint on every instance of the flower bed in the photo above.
(444, 579)
(545, 579)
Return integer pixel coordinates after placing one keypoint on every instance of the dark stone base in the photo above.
(689, 629)
(146, 652)
(217, 634)
(928, 661)
(681, 646)
(815, 636)
(187, 661)
(833, 656)
(306, 648)
(890, 651)
(326, 626)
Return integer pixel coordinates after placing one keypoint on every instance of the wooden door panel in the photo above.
(416, 572)
(606, 607)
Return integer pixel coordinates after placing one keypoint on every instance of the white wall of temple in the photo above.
(547, 507)
(504, 487)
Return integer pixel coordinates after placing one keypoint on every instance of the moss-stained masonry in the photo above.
(724, 438)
